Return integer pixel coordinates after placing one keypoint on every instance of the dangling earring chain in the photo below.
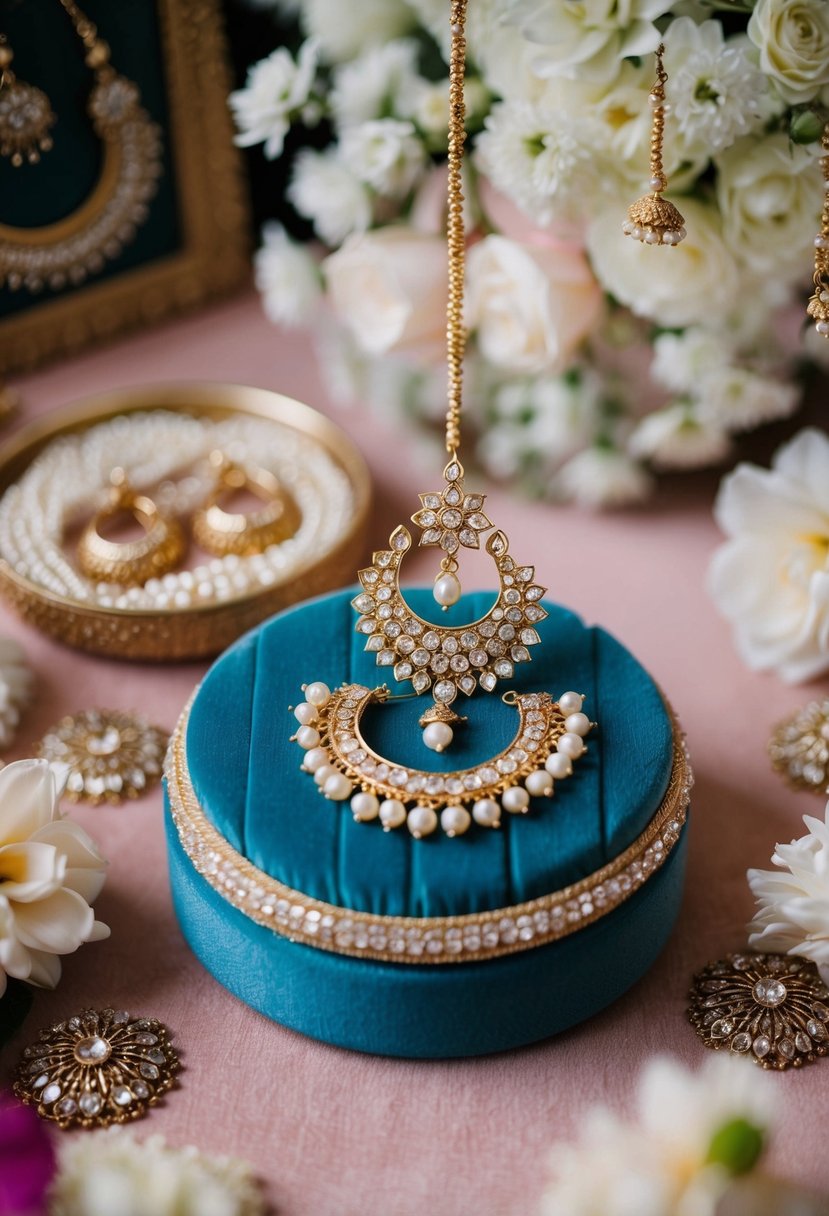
(818, 306)
(652, 219)
(455, 235)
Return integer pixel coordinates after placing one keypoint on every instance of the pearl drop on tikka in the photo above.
(558, 765)
(570, 745)
(447, 590)
(421, 821)
(338, 787)
(577, 724)
(487, 812)
(515, 799)
(539, 784)
(392, 813)
(307, 737)
(570, 703)
(365, 807)
(318, 694)
(314, 759)
(455, 820)
(438, 735)
(305, 714)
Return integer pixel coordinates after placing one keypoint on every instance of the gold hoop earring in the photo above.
(652, 219)
(222, 532)
(26, 114)
(549, 738)
(130, 562)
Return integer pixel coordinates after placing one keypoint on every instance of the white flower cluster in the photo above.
(559, 132)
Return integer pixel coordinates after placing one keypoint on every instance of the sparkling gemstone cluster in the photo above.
(770, 1007)
(97, 1068)
(550, 737)
(799, 747)
(110, 755)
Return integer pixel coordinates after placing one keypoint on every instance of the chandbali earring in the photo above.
(26, 115)
(129, 563)
(652, 219)
(818, 306)
(550, 736)
(222, 532)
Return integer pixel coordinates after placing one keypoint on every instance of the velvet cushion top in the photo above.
(246, 772)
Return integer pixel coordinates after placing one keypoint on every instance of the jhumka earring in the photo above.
(444, 659)
(222, 532)
(818, 306)
(26, 115)
(130, 562)
(652, 219)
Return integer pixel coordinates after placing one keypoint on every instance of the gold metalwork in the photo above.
(438, 713)
(194, 632)
(460, 658)
(69, 250)
(110, 755)
(818, 306)
(455, 236)
(100, 1067)
(411, 939)
(213, 254)
(771, 1007)
(26, 115)
(221, 532)
(652, 219)
(130, 563)
(799, 747)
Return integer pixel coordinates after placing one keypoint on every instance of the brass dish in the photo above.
(192, 632)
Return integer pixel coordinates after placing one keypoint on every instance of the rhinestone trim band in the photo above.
(431, 940)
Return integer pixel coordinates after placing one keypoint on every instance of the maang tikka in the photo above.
(444, 659)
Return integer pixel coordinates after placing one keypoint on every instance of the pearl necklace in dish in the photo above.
(169, 452)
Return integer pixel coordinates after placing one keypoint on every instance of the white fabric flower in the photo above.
(287, 276)
(660, 1164)
(15, 688)
(386, 154)
(770, 194)
(587, 39)
(530, 305)
(344, 30)
(543, 156)
(276, 89)
(681, 360)
(376, 84)
(602, 477)
(113, 1174)
(388, 288)
(327, 193)
(50, 874)
(677, 437)
(717, 91)
(793, 39)
(736, 399)
(771, 577)
(697, 281)
(793, 901)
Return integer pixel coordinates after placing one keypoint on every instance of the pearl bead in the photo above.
(651, 237)
(455, 820)
(314, 759)
(392, 813)
(822, 327)
(365, 807)
(318, 694)
(577, 724)
(571, 745)
(437, 736)
(821, 242)
(487, 812)
(558, 765)
(539, 784)
(447, 590)
(421, 821)
(570, 703)
(322, 774)
(305, 713)
(338, 788)
(307, 737)
(515, 799)
(627, 227)
(657, 183)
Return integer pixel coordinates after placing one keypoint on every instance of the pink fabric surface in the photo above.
(338, 1134)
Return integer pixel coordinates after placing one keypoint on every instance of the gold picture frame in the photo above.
(213, 254)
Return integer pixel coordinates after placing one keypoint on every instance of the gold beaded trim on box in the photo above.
(413, 939)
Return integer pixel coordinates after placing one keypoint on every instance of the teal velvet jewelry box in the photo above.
(437, 947)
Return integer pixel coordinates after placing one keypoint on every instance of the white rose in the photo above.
(771, 577)
(344, 30)
(681, 360)
(691, 283)
(275, 90)
(327, 193)
(738, 400)
(793, 39)
(530, 305)
(770, 194)
(385, 154)
(287, 277)
(388, 288)
(603, 477)
(381, 80)
(678, 438)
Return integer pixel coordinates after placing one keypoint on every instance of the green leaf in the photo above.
(737, 1146)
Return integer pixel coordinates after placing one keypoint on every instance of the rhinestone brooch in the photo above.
(97, 1068)
(799, 747)
(770, 1007)
(110, 755)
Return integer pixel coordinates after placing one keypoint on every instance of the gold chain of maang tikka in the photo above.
(455, 236)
